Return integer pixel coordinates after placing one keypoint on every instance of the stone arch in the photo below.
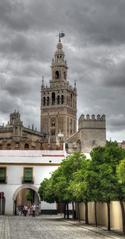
(25, 186)
(19, 189)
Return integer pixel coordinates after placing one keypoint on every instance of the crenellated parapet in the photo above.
(92, 121)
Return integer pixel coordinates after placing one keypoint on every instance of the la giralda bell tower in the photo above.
(58, 100)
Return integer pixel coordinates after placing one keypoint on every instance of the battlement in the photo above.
(92, 121)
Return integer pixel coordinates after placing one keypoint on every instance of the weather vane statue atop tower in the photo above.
(61, 34)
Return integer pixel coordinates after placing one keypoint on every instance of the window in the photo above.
(1, 147)
(62, 99)
(57, 74)
(28, 175)
(58, 99)
(2, 175)
(44, 101)
(48, 100)
(8, 146)
(26, 146)
(53, 98)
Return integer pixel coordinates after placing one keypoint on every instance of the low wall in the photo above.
(115, 212)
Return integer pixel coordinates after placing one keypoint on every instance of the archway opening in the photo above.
(26, 196)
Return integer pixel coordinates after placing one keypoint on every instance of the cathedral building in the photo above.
(58, 118)
(58, 101)
(16, 136)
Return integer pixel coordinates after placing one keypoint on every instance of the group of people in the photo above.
(28, 210)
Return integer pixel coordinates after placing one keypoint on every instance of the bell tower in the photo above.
(58, 101)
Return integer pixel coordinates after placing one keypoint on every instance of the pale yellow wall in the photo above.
(115, 211)
(116, 218)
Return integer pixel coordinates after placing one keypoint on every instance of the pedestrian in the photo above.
(33, 210)
(25, 210)
(37, 209)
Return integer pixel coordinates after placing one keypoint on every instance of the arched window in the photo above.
(53, 98)
(48, 100)
(44, 101)
(62, 99)
(57, 74)
(26, 146)
(8, 146)
(58, 99)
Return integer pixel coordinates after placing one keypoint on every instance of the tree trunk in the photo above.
(86, 213)
(67, 210)
(96, 223)
(73, 211)
(78, 212)
(123, 216)
(108, 210)
(64, 210)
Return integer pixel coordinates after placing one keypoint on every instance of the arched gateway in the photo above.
(25, 194)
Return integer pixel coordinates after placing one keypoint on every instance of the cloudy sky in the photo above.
(94, 46)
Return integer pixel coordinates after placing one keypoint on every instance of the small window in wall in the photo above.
(53, 98)
(2, 175)
(8, 146)
(1, 147)
(58, 100)
(26, 146)
(48, 100)
(62, 99)
(28, 175)
(44, 101)
(57, 74)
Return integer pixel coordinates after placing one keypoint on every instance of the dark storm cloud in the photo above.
(94, 46)
(116, 76)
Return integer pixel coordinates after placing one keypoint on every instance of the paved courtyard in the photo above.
(44, 227)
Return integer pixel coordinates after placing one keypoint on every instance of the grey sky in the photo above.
(94, 47)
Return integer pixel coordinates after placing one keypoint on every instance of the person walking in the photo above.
(25, 209)
(33, 210)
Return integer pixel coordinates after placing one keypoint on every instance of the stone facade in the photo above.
(58, 101)
(91, 133)
(16, 136)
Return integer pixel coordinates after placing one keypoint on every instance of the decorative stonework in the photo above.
(58, 100)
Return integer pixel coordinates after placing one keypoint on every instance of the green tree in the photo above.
(79, 189)
(46, 191)
(57, 186)
(121, 171)
(104, 163)
(121, 188)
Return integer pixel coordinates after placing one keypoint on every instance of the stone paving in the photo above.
(45, 227)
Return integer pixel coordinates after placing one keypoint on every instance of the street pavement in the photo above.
(47, 227)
